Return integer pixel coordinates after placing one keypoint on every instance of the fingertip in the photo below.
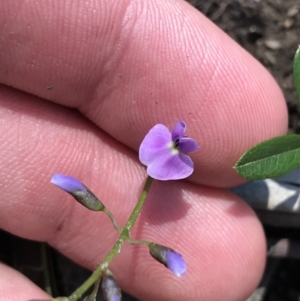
(16, 287)
(220, 238)
(157, 62)
(232, 248)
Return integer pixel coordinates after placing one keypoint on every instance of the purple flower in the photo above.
(169, 258)
(164, 153)
(79, 191)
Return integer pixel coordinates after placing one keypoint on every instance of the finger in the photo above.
(128, 66)
(217, 234)
(16, 287)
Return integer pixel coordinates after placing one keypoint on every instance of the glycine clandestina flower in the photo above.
(164, 153)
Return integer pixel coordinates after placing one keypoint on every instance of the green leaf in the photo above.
(271, 158)
(296, 71)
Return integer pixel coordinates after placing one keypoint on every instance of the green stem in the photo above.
(111, 217)
(94, 293)
(124, 235)
(138, 242)
(46, 269)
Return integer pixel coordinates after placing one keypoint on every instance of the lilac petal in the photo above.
(168, 166)
(67, 183)
(154, 143)
(188, 145)
(179, 130)
(175, 263)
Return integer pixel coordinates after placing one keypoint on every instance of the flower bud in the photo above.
(169, 258)
(79, 191)
(110, 289)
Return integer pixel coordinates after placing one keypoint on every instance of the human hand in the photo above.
(126, 66)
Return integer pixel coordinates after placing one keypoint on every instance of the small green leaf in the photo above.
(271, 158)
(296, 71)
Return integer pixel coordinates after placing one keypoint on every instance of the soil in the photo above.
(269, 30)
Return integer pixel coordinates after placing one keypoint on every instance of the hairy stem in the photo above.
(124, 236)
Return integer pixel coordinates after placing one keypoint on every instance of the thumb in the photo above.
(127, 65)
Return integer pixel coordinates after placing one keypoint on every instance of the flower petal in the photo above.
(67, 183)
(175, 263)
(179, 130)
(188, 145)
(168, 166)
(154, 143)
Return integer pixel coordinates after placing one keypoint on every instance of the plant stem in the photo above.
(46, 270)
(124, 235)
(138, 242)
(111, 217)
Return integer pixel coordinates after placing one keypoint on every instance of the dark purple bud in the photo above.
(169, 258)
(110, 289)
(78, 190)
